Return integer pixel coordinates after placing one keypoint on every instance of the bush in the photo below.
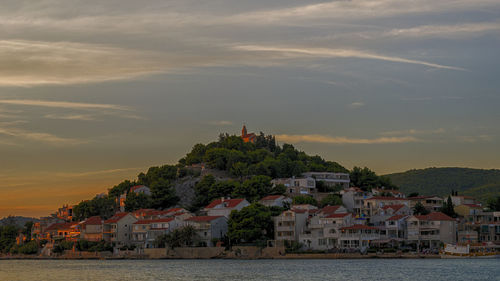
(29, 248)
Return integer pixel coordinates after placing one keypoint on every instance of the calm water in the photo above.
(373, 269)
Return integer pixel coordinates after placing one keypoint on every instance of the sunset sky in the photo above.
(93, 92)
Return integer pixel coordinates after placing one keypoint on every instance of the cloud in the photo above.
(343, 140)
(414, 132)
(355, 105)
(64, 104)
(39, 137)
(447, 31)
(221, 123)
(93, 173)
(287, 52)
(28, 63)
(81, 117)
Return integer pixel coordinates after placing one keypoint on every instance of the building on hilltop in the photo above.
(248, 137)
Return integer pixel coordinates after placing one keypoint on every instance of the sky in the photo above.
(94, 92)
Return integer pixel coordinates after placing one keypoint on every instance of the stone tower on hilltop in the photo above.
(246, 136)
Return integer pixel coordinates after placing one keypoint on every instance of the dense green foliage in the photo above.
(448, 208)
(184, 236)
(331, 200)
(419, 209)
(252, 189)
(478, 183)
(93, 246)
(366, 179)
(104, 207)
(8, 235)
(304, 199)
(494, 204)
(136, 201)
(264, 157)
(251, 224)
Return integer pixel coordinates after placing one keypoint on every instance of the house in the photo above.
(428, 231)
(358, 236)
(289, 224)
(490, 231)
(387, 211)
(297, 186)
(224, 207)
(373, 204)
(137, 189)
(63, 231)
(395, 226)
(353, 198)
(430, 203)
(330, 179)
(389, 192)
(322, 230)
(330, 210)
(118, 229)
(460, 200)
(208, 228)
(65, 212)
(468, 210)
(91, 229)
(145, 232)
(275, 201)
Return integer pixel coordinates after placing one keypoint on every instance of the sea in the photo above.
(289, 270)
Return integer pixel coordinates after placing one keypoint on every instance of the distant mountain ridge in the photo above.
(16, 220)
(479, 183)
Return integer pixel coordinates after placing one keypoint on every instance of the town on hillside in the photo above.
(309, 206)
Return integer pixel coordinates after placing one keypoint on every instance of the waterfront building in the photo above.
(358, 236)
(208, 228)
(91, 229)
(330, 179)
(429, 231)
(353, 198)
(224, 206)
(118, 229)
(275, 201)
(297, 186)
(145, 232)
(373, 204)
(430, 203)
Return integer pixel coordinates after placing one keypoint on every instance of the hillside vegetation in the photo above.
(478, 183)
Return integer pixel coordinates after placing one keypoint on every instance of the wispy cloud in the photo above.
(81, 117)
(27, 63)
(355, 105)
(98, 172)
(343, 140)
(64, 104)
(446, 31)
(288, 52)
(221, 123)
(414, 132)
(39, 137)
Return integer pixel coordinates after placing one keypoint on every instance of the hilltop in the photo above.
(479, 183)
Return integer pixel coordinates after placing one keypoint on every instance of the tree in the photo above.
(121, 188)
(184, 236)
(163, 194)
(254, 188)
(136, 201)
(494, 204)
(251, 224)
(419, 209)
(366, 179)
(332, 200)
(202, 191)
(103, 206)
(27, 229)
(8, 234)
(413, 194)
(448, 208)
(304, 199)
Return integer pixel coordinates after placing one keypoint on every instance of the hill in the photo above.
(16, 220)
(479, 183)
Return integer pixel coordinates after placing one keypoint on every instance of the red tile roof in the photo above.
(396, 217)
(62, 225)
(96, 220)
(172, 210)
(435, 216)
(231, 203)
(330, 209)
(117, 217)
(473, 206)
(203, 218)
(153, 221)
(422, 197)
(394, 207)
(359, 226)
(271, 197)
(332, 216)
(133, 188)
(386, 198)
